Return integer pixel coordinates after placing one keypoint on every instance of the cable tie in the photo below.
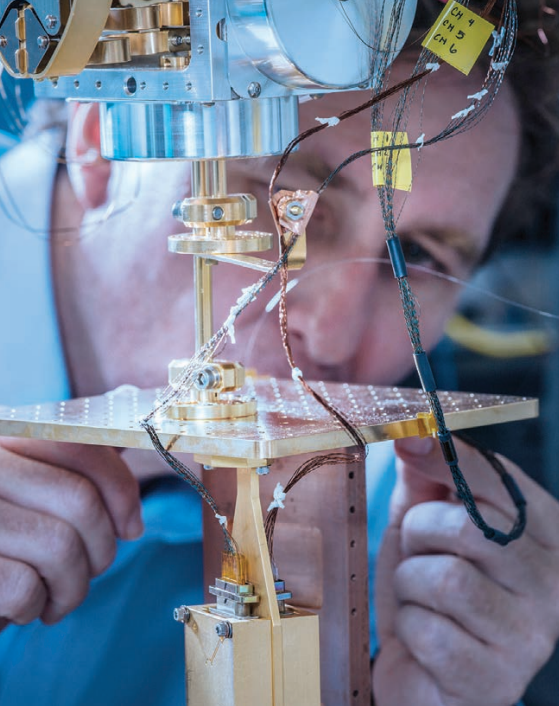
(222, 519)
(433, 66)
(497, 40)
(296, 374)
(499, 65)
(420, 140)
(279, 497)
(425, 372)
(331, 122)
(397, 258)
(230, 324)
(463, 113)
(479, 95)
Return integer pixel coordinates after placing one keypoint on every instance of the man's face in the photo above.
(345, 318)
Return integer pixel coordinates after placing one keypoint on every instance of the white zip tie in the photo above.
(221, 519)
(331, 122)
(499, 65)
(296, 374)
(247, 296)
(435, 66)
(279, 497)
(497, 40)
(420, 140)
(478, 96)
(463, 113)
(230, 325)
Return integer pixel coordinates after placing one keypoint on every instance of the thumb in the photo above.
(414, 483)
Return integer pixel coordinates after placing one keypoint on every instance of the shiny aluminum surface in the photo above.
(237, 128)
(288, 421)
(315, 43)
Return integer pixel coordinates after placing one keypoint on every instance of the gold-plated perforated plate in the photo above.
(288, 421)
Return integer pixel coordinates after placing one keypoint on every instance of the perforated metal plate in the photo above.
(288, 421)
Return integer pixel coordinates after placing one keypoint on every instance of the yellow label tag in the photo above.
(401, 160)
(458, 36)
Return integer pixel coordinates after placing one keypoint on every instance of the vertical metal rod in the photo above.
(208, 179)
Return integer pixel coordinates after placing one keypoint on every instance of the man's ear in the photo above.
(89, 173)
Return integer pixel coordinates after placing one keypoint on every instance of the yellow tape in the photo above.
(458, 36)
(401, 160)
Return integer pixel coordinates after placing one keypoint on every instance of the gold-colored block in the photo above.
(235, 671)
(239, 671)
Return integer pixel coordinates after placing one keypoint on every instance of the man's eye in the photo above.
(416, 254)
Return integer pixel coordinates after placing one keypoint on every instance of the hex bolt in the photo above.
(295, 211)
(224, 629)
(207, 379)
(51, 21)
(42, 41)
(254, 89)
(217, 213)
(181, 614)
(3, 41)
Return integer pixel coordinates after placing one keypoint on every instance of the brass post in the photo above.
(208, 179)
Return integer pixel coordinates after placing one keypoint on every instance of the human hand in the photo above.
(461, 620)
(62, 506)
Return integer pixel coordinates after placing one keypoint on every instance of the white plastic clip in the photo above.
(221, 519)
(331, 122)
(499, 65)
(434, 66)
(478, 96)
(296, 374)
(420, 140)
(279, 497)
(463, 113)
(497, 40)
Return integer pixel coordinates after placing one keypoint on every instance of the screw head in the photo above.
(42, 41)
(295, 211)
(51, 21)
(224, 629)
(254, 89)
(217, 213)
(3, 41)
(181, 614)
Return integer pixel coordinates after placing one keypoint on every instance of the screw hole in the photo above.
(130, 86)
(352, 509)
(351, 475)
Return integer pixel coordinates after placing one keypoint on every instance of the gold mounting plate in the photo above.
(288, 421)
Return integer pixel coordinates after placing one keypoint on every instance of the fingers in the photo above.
(54, 551)
(111, 477)
(459, 664)
(62, 507)
(23, 594)
(423, 475)
(523, 567)
(68, 496)
(453, 587)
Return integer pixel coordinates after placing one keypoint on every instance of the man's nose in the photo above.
(329, 312)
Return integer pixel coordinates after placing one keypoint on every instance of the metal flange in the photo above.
(241, 242)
